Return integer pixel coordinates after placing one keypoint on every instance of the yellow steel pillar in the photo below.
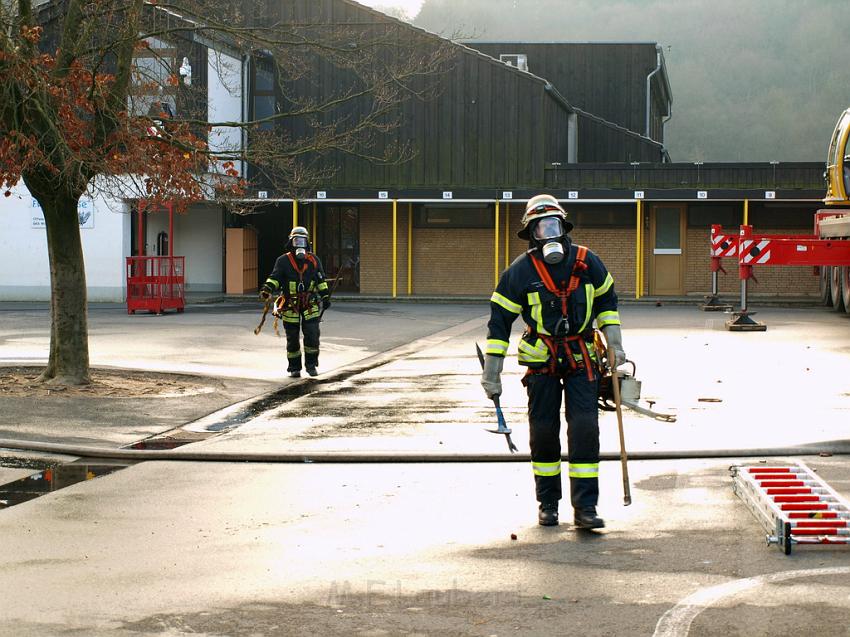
(294, 212)
(409, 249)
(395, 246)
(746, 212)
(639, 250)
(496, 248)
(507, 234)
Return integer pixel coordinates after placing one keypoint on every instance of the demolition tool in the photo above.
(503, 426)
(629, 395)
(266, 307)
(272, 305)
(615, 383)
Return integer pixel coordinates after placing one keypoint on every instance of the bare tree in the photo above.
(93, 98)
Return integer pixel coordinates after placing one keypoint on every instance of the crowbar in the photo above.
(500, 417)
(615, 383)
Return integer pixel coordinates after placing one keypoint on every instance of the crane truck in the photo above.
(834, 222)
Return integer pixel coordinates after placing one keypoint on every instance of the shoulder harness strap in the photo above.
(563, 293)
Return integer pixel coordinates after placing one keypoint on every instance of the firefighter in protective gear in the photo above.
(559, 289)
(303, 292)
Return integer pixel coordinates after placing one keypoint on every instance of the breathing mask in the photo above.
(300, 246)
(548, 234)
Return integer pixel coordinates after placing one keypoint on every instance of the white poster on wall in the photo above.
(85, 211)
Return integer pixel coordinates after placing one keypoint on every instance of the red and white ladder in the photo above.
(793, 504)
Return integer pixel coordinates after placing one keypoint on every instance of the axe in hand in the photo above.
(500, 417)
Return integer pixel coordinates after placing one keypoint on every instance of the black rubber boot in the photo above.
(295, 374)
(547, 514)
(312, 371)
(587, 519)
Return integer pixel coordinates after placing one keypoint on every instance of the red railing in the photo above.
(155, 284)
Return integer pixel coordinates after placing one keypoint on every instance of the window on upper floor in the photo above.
(154, 80)
(263, 92)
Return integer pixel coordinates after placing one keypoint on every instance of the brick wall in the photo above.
(616, 248)
(461, 262)
(376, 249)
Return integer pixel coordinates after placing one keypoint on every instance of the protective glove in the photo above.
(265, 294)
(491, 379)
(326, 303)
(614, 338)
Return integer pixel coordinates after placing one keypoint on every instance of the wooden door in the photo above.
(667, 261)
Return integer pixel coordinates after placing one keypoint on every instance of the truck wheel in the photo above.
(825, 291)
(835, 289)
(845, 288)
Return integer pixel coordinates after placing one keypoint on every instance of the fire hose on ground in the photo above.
(348, 457)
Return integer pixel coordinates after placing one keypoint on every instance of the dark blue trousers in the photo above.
(545, 392)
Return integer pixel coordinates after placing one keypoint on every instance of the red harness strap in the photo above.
(563, 293)
(301, 301)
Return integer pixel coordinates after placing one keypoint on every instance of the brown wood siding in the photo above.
(490, 126)
(606, 79)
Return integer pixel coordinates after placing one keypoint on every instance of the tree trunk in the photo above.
(69, 344)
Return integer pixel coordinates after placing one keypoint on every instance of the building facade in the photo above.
(505, 121)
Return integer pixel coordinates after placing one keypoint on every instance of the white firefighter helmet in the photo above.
(539, 207)
(299, 240)
(299, 231)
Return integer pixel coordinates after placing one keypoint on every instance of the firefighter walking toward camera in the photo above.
(299, 284)
(559, 289)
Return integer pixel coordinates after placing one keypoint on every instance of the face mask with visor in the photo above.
(300, 245)
(548, 234)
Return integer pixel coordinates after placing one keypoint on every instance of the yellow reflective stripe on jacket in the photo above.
(608, 318)
(536, 352)
(584, 470)
(506, 303)
(497, 347)
(293, 287)
(273, 282)
(323, 285)
(536, 312)
(588, 293)
(546, 468)
(606, 285)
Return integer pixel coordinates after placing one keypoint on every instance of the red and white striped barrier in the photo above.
(723, 245)
(793, 504)
(755, 251)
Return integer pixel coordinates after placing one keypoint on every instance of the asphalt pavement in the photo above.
(246, 548)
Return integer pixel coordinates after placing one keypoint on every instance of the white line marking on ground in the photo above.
(676, 622)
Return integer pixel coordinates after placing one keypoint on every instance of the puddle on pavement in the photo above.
(267, 403)
(51, 479)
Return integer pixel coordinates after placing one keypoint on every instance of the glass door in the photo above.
(667, 232)
(338, 244)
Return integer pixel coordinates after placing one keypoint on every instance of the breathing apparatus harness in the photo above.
(302, 298)
(560, 344)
